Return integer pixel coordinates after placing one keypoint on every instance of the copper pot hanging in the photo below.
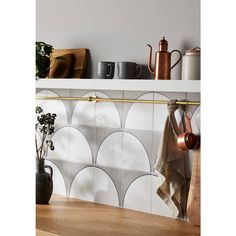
(187, 140)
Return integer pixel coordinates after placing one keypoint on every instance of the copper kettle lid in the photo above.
(163, 41)
(163, 44)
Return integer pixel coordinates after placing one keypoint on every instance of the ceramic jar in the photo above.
(191, 64)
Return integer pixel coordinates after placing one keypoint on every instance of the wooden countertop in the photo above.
(73, 217)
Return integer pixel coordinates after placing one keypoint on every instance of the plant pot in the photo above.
(44, 183)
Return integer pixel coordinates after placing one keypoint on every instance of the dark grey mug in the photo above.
(105, 69)
(128, 70)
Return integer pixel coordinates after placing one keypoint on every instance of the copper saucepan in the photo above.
(187, 140)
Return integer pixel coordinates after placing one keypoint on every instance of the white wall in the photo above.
(119, 29)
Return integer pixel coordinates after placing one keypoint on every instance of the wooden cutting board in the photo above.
(62, 68)
(79, 63)
(193, 204)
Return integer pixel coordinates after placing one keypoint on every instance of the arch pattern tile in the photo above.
(61, 144)
(83, 185)
(135, 156)
(160, 113)
(70, 145)
(140, 116)
(141, 196)
(53, 106)
(127, 106)
(107, 114)
(138, 195)
(94, 184)
(123, 150)
(84, 112)
(59, 186)
(115, 94)
(96, 114)
(79, 149)
(110, 151)
(105, 191)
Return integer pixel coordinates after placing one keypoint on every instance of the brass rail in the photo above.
(97, 99)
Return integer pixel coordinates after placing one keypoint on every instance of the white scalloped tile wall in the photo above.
(94, 184)
(160, 113)
(102, 114)
(106, 113)
(141, 196)
(138, 196)
(105, 152)
(110, 151)
(61, 144)
(127, 153)
(104, 189)
(83, 185)
(53, 106)
(84, 112)
(135, 157)
(79, 149)
(140, 116)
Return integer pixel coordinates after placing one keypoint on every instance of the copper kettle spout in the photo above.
(150, 61)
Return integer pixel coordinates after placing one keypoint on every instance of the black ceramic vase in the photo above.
(44, 183)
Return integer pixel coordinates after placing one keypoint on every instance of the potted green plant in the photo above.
(44, 129)
(43, 54)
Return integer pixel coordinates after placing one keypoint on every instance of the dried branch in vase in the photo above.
(44, 129)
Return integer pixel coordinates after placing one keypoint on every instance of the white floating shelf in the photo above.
(191, 86)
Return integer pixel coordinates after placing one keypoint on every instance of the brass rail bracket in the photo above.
(93, 99)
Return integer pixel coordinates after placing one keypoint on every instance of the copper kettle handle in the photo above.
(180, 57)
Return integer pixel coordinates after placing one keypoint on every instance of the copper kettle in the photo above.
(162, 61)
